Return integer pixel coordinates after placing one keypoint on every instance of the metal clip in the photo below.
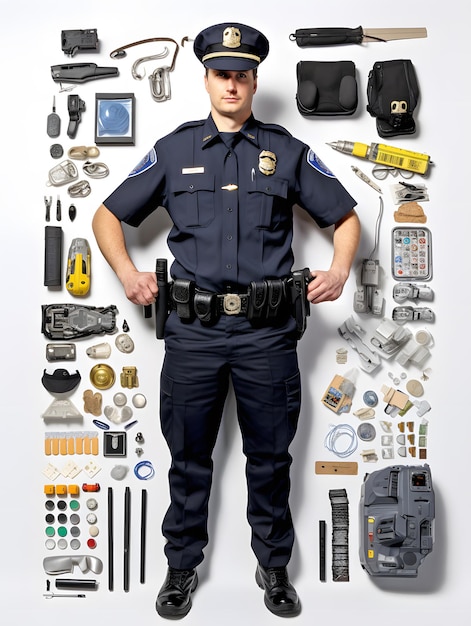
(160, 84)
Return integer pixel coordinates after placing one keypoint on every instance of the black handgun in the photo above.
(298, 283)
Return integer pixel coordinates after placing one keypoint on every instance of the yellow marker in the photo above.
(55, 446)
(386, 155)
(63, 445)
(94, 445)
(78, 445)
(86, 444)
(70, 445)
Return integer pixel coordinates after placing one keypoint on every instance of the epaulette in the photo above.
(276, 128)
(192, 124)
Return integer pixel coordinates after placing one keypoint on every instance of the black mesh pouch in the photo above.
(326, 88)
(393, 94)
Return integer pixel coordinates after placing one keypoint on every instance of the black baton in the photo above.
(161, 303)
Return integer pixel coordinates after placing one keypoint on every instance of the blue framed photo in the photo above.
(114, 119)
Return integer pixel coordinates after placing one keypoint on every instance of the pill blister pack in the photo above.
(411, 253)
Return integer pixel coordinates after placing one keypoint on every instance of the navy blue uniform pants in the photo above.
(263, 366)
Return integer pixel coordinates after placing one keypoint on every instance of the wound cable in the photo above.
(378, 224)
(335, 433)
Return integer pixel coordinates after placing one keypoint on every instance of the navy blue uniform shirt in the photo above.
(231, 205)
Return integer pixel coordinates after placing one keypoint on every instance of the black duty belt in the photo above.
(263, 300)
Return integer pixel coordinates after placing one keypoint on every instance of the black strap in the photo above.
(340, 564)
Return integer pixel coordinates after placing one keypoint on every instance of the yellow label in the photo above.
(402, 159)
(371, 554)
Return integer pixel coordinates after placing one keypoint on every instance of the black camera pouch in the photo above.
(326, 88)
(393, 94)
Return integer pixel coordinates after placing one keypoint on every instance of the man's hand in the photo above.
(326, 286)
(140, 287)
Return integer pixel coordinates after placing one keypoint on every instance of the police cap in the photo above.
(231, 46)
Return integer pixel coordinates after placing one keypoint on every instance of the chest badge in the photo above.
(267, 162)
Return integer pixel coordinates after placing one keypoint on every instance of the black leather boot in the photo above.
(174, 599)
(280, 595)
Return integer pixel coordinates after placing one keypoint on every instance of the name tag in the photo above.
(193, 170)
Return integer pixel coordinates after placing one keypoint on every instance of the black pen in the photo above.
(110, 540)
(143, 535)
(127, 532)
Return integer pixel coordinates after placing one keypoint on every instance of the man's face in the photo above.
(231, 92)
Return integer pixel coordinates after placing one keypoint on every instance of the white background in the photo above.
(30, 44)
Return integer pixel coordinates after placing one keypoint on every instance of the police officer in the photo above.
(229, 184)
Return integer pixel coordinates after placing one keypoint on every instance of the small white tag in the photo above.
(51, 472)
(91, 469)
(193, 170)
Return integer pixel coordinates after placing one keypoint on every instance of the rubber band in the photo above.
(144, 475)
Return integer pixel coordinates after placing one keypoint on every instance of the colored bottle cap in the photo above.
(91, 543)
(50, 532)
(75, 544)
(74, 505)
(93, 530)
(62, 531)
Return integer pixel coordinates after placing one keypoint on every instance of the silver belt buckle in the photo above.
(232, 304)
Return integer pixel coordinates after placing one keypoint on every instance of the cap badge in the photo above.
(231, 37)
(267, 162)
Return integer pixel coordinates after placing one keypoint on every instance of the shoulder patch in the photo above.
(315, 162)
(144, 164)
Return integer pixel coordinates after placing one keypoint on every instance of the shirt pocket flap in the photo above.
(189, 183)
(271, 187)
